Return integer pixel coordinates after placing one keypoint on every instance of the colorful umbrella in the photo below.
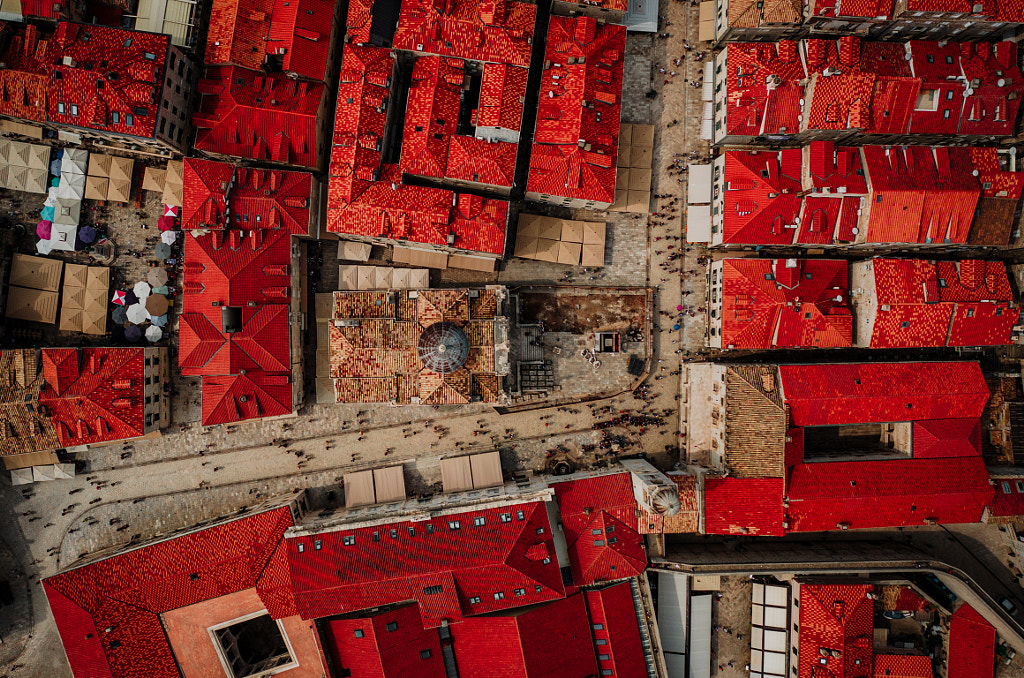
(159, 320)
(119, 297)
(43, 229)
(130, 298)
(165, 223)
(170, 211)
(162, 289)
(137, 313)
(169, 237)
(156, 304)
(157, 277)
(120, 315)
(162, 251)
(154, 333)
(133, 333)
(87, 234)
(142, 290)
(44, 246)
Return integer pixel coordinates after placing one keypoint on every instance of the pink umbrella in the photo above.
(170, 211)
(165, 223)
(43, 229)
(119, 298)
(679, 308)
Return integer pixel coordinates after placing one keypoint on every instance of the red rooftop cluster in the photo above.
(829, 194)
(834, 89)
(478, 30)
(575, 145)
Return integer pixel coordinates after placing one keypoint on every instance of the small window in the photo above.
(600, 641)
(128, 43)
(391, 626)
(536, 588)
(603, 657)
(475, 600)
(520, 515)
(599, 627)
(612, 540)
(546, 561)
(500, 595)
(394, 534)
(609, 529)
(430, 528)
(479, 521)
(905, 324)
(424, 654)
(349, 540)
(599, 542)
(1006, 487)
(970, 313)
(540, 530)
(412, 531)
(317, 545)
(520, 592)
(595, 532)
(376, 536)
(129, 119)
(769, 276)
(115, 117)
(506, 517)
(1020, 486)
(60, 108)
(359, 633)
(432, 590)
(149, 56)
(454, 525)
(302, 548)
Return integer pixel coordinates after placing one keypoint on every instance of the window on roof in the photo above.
(599, 542)
(149, 56)
(598, 627)
(412, 530)
(479, 521)
(317, 545)
(609, 529)
(424, 654)
(359, 633)
(927, 100)
(376, 536)
(546, 561)
(454, 525)
(540, 530)
(499, 595)
(432, 590)
(430, 528)
(129, 119)
(128, 42)
(302, 548)
(391, 626)
(520, 515)
(58, 75)
(115, 117)
(598, 531)
(1006, 487)
(1020, 486)
(536, 588)
(506, 517)
(769, 276)
(949, 59)
(970, 313)
(60, 108)
(474, 600)
(350, 540)
(520, 592)
(930, 58)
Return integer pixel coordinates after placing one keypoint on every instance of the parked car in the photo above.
(1007, 605)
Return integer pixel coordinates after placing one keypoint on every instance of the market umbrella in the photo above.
(47, 213)
(87, 234)
(162, 251)
(120, 315)
(43, 229)
(119, 298)
(170, 211)
(165, 223)
(169, 237)
(130, 298)
(142, 289)
(162, 289)
(154, 333)
(159, 320)
(55, 167)
(157, 277)
(675, 327)
(133, 333)
(44, 246)
(137, 313)
(156, 304)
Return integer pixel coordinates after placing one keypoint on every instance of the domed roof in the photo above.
(443, 347)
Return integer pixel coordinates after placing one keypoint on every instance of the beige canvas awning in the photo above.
(420, 257)
(471, 263)
(119, 190)
(99, 165)
(354, 251)
(154, 178)
(592, 255)
(547, 250)
(389, 484)
(358, 488)
(38, 157)
(40, 273)
(550, 228)
(572, 231)
(456, 474)
(29, 459)
(569, 253)
(121, 169)
(96, 187)
(486, 469)
(94, 322)
(593, 232)
(34, 305)
(70, 319)
(36, 180)
(348, 277)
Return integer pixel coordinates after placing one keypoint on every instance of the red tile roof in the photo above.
(258, 116)
(924, 303)
(94, 395)
(972, 645)
(782, 303)
(95, 77)
(259, 198)
(752, 108)
(502, 92)
(44, 9)
(479, 161)
(996, 84)
(479, 30)
(431, 115)
(249, 33)
(472, 560)
(858, 393)
(1009, 499)
(107, 613)
(903, 666)
(995, 182)
(548, 640)
(359, 21)
(743, 506)
(576, 138)
(250, 272)
(761, 197)
(367, 199)
(836, 630)
(871, 494)
(367, 647)
(867, 9)
(599, 518)
(612, 607)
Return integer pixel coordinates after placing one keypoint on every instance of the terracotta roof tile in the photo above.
(836, 630)
(972, 643)
(502, 93)
(498, 32)
(743, 506)
(752, 108)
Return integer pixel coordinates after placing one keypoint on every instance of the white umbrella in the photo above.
(169, 237)
(142, 290)
(154, 333)
(137, 314)
(44, 247)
